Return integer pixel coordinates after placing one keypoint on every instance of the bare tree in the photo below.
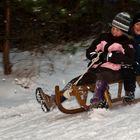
(6, 61)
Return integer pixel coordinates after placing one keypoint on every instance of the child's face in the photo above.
(136, 28)
(116, 32)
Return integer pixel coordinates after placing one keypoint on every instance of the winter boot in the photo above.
(47, 102)
(129, 97)
(98, 100)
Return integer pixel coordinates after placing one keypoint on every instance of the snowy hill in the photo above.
(21, 117)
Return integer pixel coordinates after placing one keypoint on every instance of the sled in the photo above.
(81, 93)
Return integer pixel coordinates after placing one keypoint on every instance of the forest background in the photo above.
(34, 23)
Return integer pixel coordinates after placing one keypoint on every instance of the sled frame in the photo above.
(81, 93)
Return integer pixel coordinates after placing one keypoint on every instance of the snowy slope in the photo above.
(21, 117)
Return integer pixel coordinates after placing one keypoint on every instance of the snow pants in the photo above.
(129, 79)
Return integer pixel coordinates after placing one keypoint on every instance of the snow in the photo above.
(21, 117)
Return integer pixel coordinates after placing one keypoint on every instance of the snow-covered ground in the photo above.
(21, 117)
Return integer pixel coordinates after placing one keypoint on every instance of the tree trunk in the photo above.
(6, 61)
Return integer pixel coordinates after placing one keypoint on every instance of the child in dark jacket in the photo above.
(129, 79)
(135, 26)
(116, 50)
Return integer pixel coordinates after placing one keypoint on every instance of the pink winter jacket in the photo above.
(119, 50)
(114, 47)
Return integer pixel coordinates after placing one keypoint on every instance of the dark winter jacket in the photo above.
(117, 51)
(137, 54)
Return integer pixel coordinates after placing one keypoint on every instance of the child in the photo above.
(135, 26)
(116, 50)
(127, 72)
(130, 81)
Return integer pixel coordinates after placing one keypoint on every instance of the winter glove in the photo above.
(93, 55)
(103, 57)
(115, 57)
(137, 68)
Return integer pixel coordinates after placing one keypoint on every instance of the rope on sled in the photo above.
(93, 62)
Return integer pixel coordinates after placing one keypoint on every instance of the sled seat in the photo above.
(81, 93)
